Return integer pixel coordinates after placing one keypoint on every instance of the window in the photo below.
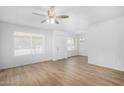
(28, 43)
(70, 44)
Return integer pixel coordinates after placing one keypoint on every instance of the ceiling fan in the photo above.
(51, 16)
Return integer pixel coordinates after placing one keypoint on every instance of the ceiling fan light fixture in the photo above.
(48, 20)
(52, 20)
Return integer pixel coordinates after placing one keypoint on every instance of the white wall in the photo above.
(59, 45)
(106, 43)
(7, 46)
(72, 53)
(0, 47)
(83, 44)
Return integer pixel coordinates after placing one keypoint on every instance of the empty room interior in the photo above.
(61, 45)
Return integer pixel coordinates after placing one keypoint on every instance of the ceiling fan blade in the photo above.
(62, 16)
(56, 21)
(43, 21)
(38, 14)
(48, 13)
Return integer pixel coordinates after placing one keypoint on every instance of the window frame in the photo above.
(71, 45)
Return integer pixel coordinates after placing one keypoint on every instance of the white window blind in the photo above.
(28, 43)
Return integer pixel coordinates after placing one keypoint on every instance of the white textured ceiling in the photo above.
(80, 16)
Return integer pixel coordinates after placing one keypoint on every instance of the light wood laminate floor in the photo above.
(72, 71)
